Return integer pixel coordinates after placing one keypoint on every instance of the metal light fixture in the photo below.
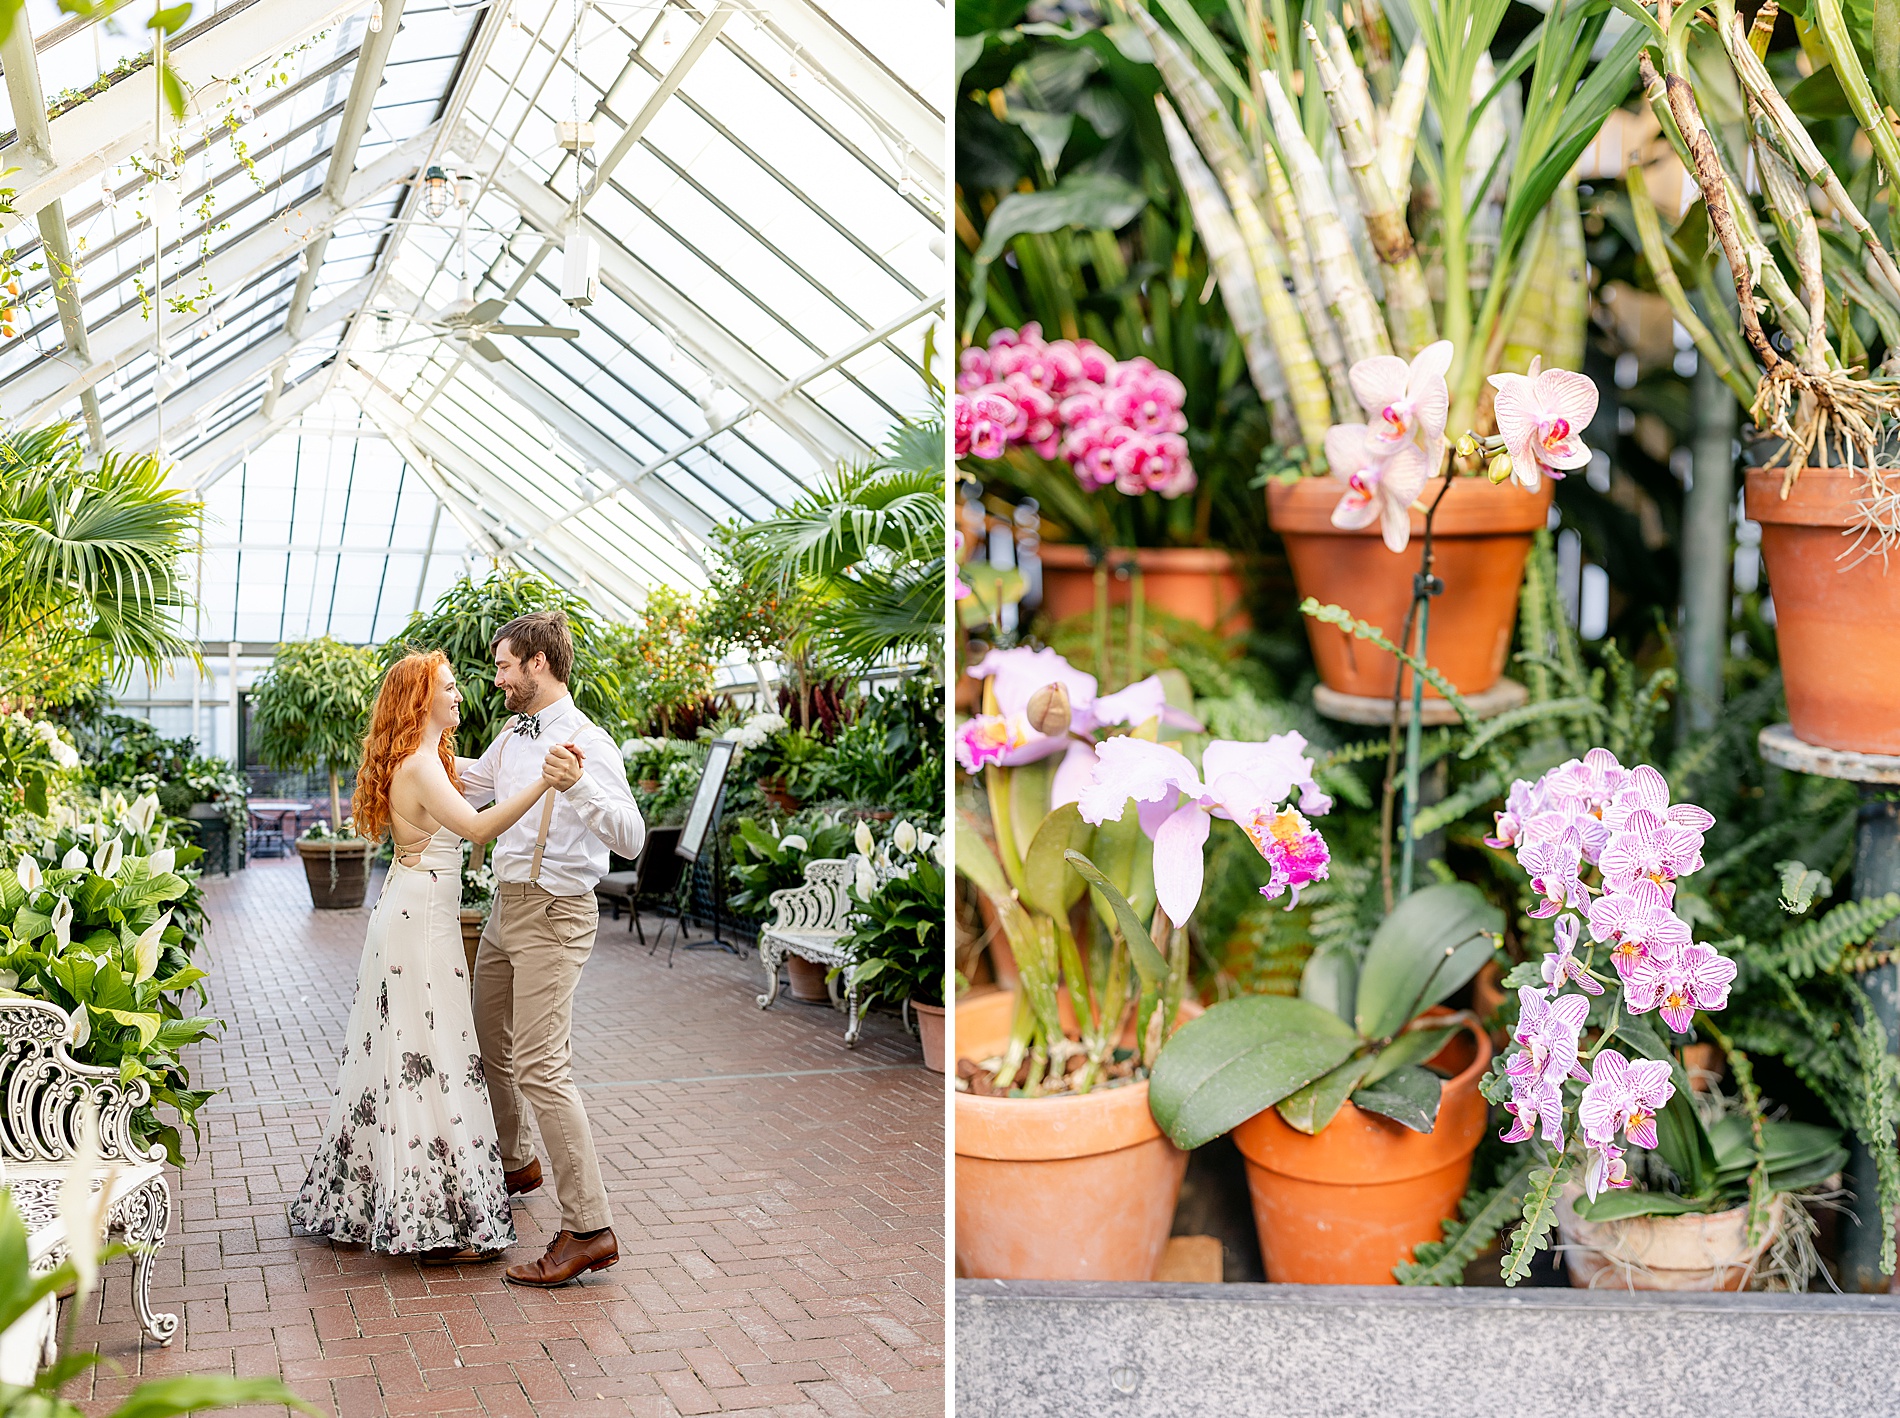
(436, 191)
(465, 189)
(376, 16)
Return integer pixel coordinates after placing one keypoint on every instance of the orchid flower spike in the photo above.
(1378, 490)
(1541, 417)
(1405, 403)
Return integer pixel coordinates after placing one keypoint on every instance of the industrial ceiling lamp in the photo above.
(436, 192)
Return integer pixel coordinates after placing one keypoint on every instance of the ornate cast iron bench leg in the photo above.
(771, 956)
(853, 1020)
(143, 1217)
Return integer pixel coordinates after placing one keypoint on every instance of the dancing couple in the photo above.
(428, 1137)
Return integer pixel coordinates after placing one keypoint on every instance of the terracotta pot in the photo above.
(1058, 1188)
(1695, 1252)
(1201, 585)
(808, 980)
(652, 785)
(1837, 619)
(472, 919)
(1480, 538)
(1346, 1205)
(774, 792)
(338, 872)
(930, 1033)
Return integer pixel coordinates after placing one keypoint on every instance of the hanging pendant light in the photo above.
(436, 191)
(376, 16)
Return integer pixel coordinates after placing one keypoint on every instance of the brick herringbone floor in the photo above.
(778, 1199)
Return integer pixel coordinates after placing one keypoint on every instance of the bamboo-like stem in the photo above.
(1570, 312)
(1399, 134)
(1319, 325)
(1868, 110)
(1801, 236)
(1663, 271)
(1338, 56)
(1528, 332)
(1763, 30)
(1408, 305)
(1341, 282)
(1234, 271)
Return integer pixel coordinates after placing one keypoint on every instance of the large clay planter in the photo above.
(930, 1033)
(338, 872)
(1058, 1188)
(1837, 613)
(1346, 1205)
(1196, 584)
(807, 979)
(1695, 1252)
(1480, 539)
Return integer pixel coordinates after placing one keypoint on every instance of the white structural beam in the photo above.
(729, 359)
(357, 108)
(39, 393)
(904, 116)
(204, 465)
(96, 136)
(217, 387)
(701, 41)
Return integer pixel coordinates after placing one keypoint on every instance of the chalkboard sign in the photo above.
(705, 798)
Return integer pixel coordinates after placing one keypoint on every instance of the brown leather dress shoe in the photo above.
(568, 1256)
(525, 1179)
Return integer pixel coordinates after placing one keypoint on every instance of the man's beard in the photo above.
(517, 697)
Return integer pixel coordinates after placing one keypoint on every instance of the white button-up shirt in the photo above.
(596, 814)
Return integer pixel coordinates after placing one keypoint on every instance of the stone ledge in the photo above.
(1030, 1348)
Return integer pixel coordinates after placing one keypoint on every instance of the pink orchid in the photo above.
(1588, 788)
(1405, 403)
(1534, 1101)
(1603, 1167)
(1242, 782)
(962, 592)
(1561, 966)
(986, 420)
(991, 739)
(1548, 1030)
(1293, 849)
(1541, 417)
(1040, 432)
(1525, 799)
(1017, 674)
(1146, 399)
(1625, 1096)
(1648, 848)
(974, 369)
(1378, 490)
(1640, 927)
(1554, 867)
(1697, 978)
(1151, 462)
(1647, 790)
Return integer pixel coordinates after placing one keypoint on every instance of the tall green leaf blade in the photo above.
(1242, 1056)
(1049, 886)
(1149, 962)
(1434, 941)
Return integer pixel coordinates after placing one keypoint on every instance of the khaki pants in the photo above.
(526, 972)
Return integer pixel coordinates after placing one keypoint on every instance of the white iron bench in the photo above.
(39, 1131)
(812, 920)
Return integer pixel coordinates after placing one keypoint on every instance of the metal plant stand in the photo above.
(1876, 872)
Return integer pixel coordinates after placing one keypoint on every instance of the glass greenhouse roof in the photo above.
(341, 355)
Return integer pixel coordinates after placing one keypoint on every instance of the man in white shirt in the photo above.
(541, 931)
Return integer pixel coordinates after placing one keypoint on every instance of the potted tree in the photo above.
(1823, 491)
(311, 712)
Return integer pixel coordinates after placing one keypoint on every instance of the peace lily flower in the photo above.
(75, 859)
(82, 1026)
(28, 874)
(862, 838)
(1244, 783)
(63, 923)
(904, 838)
(1623, 1096)
(163, 860)
(1561, 966)
(145, 949)
(792, 842)
(866, 880)
(1541, 416)
(1696, 978)
(107, 859)
(140, 815)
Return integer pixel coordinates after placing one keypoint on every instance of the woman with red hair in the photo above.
(409, 1161)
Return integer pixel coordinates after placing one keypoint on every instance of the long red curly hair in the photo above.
(396, 727)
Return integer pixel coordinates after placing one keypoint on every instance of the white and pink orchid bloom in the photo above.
(1697, 978)
(1243, 782)
(1405, 403)
(1541, 417)
(1007, 738)
(1533, 1102)
(1604, 1169)
(1561, 966)
(1639, 927)
(1548, 1030)
(1554, 868)
(1623, 1096)
(1646, 790)
(1649, 848)
(1378, 489)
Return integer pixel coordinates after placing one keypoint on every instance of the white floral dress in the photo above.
(409, 1160)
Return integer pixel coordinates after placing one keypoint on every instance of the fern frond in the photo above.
(1443, 1262)
(1540, 1218)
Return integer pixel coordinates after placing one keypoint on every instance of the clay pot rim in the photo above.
(1820, 497)
(1262, 1145)
(1305, 508)
(1074, 556)
(342, 846)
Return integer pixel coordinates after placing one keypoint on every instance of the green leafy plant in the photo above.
(897, 929)
(311, 709)
(663, 662)
(770, 859)
(462, 625)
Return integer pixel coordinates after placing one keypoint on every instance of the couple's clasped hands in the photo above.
(561, 769)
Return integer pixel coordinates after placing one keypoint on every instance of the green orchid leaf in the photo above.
(1309, 1109)
(1432, 943)
(1414, 1046)
(1408, 1095)
(1331, 981)
(976, 861)
(1048, 884)
(1149, 963)
(1619, 1204)
(1240, 1057)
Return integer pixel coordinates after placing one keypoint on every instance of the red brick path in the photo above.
(779, 1202)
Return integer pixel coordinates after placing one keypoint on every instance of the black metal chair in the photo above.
(656, 886)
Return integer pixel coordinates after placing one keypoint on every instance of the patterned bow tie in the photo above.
(529, 724)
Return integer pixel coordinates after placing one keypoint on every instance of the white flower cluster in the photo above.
(757, 729)
(64, 754)
(877, 865)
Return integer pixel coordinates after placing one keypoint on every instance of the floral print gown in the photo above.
(409, 1160)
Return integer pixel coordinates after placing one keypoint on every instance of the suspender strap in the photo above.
(541, 840)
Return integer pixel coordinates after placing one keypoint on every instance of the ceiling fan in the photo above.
(471, 323)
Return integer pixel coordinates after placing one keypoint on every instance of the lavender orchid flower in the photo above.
(1007, 739)
(1554, 868)
(1244, 782)
(1561, 966)
(1623, 1096)
(1696, 978)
